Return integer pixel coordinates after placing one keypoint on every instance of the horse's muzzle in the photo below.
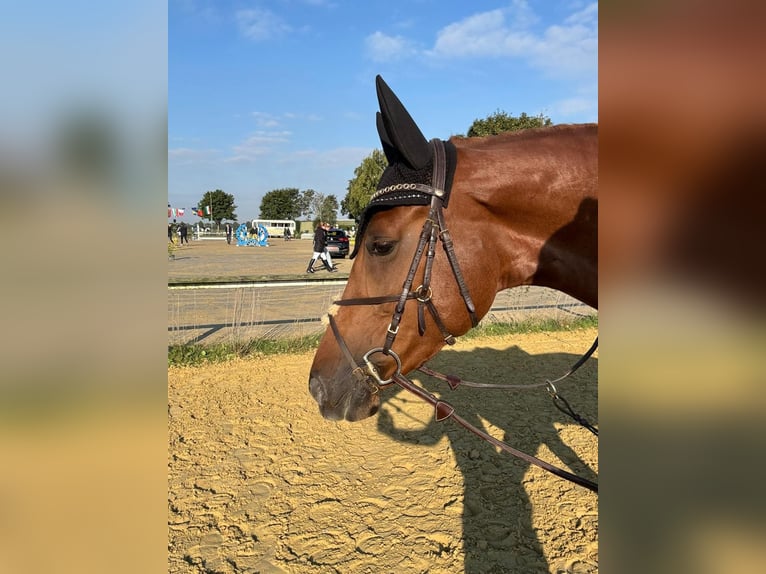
(343, 400)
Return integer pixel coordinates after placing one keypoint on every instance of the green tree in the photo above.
(284, 203)
(328, 210)
(322, 207)
(315, 206)
(221, 204)
(305, 202)
(361, 188)
(500, 122)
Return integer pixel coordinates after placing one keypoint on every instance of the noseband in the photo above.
(434, 229)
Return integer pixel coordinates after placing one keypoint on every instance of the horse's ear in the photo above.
(388, 148)
(402, 131)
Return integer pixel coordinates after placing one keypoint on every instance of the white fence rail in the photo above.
(243, 311)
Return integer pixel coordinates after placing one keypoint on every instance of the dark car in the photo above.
(337, 242)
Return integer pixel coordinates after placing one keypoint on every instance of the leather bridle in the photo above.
(434, 229)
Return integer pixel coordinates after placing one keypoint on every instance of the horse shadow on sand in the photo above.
(498, 532)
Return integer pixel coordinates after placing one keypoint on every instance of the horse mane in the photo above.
(519, 135)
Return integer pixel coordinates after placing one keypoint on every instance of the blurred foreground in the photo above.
(682, 137)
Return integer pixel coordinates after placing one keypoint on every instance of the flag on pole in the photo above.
(207, 210)
(169, 212)
(181, 211)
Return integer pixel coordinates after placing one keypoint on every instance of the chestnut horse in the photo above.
(514, 209)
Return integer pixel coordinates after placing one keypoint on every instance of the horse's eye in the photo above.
(381, 247)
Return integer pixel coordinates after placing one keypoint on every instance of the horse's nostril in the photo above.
(374, 409)
(316, 388)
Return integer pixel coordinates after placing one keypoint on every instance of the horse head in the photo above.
(400, 305)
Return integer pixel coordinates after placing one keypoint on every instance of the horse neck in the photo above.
(536, 199)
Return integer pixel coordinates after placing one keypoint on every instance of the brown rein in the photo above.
(434, 229)
(558, 401)
(442, 409)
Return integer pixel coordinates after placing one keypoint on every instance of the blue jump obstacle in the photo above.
(260, 240)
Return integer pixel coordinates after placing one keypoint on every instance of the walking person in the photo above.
(327, 258)
(184, 233)
(229, 230)
(320, 243)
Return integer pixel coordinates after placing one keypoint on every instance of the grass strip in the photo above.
(189, 355)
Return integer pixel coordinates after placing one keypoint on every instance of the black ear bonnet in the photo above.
(410, 160)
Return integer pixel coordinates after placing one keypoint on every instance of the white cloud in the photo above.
(207, 11)
(343, 156)
(265, 120)
(588, 16)
(261, 24)
(484, 34)
(566, 49)
(259, 144)
(580, 105)
(270, 121)
(577, 107)
(323, 159)
(571, 48)
(383, 48)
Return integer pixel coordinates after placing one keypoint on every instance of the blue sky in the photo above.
(281, 93)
